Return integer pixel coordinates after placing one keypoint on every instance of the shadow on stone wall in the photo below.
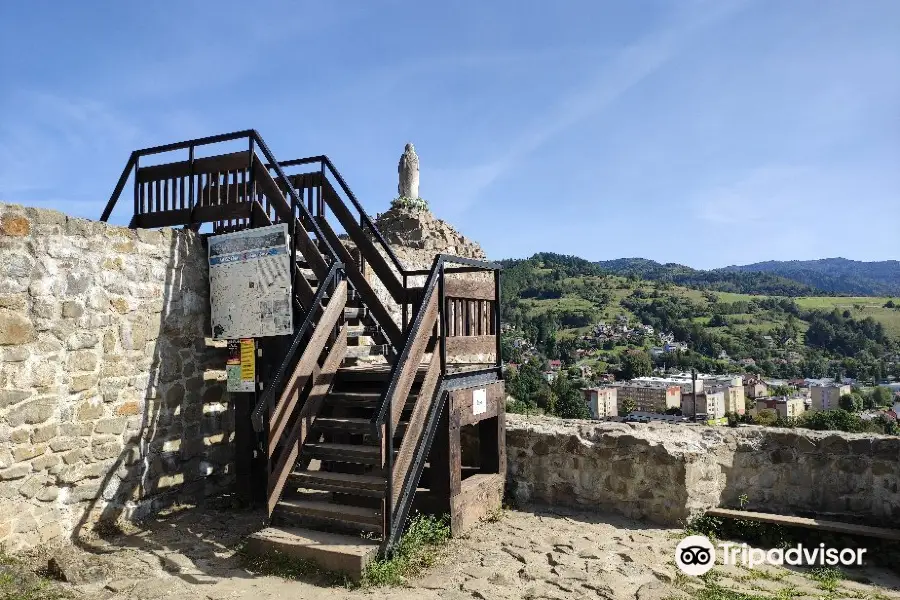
(182, 451)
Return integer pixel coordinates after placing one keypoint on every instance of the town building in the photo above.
(709, 403)
(602, 401)
(649, 396)
(787, 408)
(754, 388)
(827, 396)
(735, 401)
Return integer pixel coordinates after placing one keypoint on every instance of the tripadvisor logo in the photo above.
(696, 555)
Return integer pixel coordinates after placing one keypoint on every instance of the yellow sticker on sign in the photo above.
(248, 360)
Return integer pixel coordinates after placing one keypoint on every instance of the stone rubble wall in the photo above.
(110, 401)
(668, 473)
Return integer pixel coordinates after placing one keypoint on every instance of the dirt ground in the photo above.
(190, 554)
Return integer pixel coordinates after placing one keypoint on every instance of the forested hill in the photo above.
(835, 275)
(721, 280)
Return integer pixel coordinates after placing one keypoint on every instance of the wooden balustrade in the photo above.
(470, 317)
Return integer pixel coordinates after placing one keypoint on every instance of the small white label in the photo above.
(479, 401)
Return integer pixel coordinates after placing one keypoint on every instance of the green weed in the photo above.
(416, 551)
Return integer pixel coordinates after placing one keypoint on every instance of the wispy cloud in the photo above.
(622, 72)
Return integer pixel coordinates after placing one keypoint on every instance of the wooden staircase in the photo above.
(344, 442)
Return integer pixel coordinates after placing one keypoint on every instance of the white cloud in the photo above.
(625, 70)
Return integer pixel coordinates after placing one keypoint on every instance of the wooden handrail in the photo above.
(306, 416)
(283, 409)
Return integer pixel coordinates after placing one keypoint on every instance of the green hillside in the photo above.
(553, 301)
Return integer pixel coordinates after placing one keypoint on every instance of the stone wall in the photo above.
(667, 473)
(108, 404)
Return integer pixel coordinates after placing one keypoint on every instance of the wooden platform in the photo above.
(818, 524)
(339, 553)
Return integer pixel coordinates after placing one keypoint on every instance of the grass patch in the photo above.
(18, 583)
(416, 551)
(828, 578)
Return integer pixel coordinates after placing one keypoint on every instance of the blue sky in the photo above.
(705, 132)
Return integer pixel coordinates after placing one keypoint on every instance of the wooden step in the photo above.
(333, 552)
(355, 312)
(343, 513)
(373, 373)
(373, 350)
(353, 425)
(342, 483)
(349, 453)
(358, 399)
(343, 424)
(355, 331)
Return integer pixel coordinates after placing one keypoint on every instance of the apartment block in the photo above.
(602, 401)
(709, 403)
(827, 396)
(788, 408)
(653, 396)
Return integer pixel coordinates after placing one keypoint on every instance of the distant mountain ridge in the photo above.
(758, 282)
(835, 275)
(838, 276)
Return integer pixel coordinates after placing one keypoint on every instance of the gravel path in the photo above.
(190, 555)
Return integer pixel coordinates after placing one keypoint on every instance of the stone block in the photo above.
(13, 354)
(23, 453)
(17, 302)
(84, 382)
(34, 485)
(110, 426)
(72, 309)
(15, 328)
(82, 360)
(90, 410)
(44, 433)
(61, 444)
(20, 436)
(127, 409)
(16, 472)
(107, 449)
(73, 457)
(15, 226)
(32, 412)
(47, 461)
(82, 340)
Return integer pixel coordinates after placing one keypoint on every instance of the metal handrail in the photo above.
(265, 401)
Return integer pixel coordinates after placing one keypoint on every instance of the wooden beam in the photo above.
(306, 419)
(469, 289)
(479, 495)
(164, 171)
(366, 246)
(234, 161)
(409, 369)
(818, 524)
(184, 216)
(467, 345)
(462, 403)
(413, 434)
